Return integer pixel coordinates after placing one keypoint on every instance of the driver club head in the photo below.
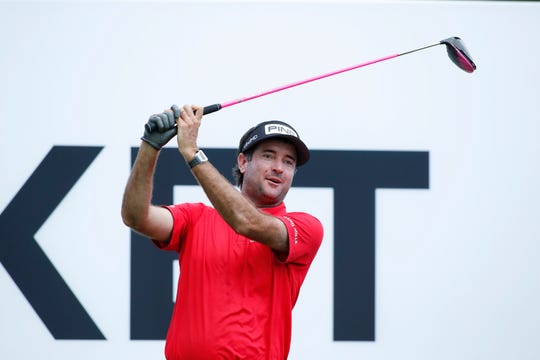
(459, 54)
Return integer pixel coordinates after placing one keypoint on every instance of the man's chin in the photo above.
(274, 197)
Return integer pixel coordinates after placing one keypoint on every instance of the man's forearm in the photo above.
(138, 191)
(239, 212)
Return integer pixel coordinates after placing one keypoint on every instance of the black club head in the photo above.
(459, 54)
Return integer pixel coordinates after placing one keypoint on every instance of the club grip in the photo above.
(206, 110)
(211, 108)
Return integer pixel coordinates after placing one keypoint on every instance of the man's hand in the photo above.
(161, 128)
(188, 130)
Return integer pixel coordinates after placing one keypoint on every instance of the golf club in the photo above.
(454, 45)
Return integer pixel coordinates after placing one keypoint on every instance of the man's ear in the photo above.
(242, 161)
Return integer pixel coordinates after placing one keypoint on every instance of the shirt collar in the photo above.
(275, 210)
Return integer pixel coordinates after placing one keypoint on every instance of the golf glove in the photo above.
(161, 128)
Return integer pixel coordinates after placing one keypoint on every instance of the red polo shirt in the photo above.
(235, 295)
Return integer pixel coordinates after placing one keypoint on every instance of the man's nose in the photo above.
(277, 166)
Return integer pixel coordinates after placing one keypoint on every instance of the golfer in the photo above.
(243, 260)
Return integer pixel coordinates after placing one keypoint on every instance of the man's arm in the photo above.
(137, 211)
(240, 213)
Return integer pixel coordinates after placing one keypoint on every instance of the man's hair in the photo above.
(238, 176)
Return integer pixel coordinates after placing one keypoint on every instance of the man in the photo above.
(243, 260)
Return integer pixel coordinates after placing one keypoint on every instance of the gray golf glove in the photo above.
(161, 128)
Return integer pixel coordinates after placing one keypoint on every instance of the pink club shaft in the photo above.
(301, 82)
(215, 107)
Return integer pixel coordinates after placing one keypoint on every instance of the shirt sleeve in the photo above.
(305, 237)
(182, 218)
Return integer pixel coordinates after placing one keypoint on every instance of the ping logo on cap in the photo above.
(249, 141)
(271, 129)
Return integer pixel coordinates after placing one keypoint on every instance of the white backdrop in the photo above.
(456, 264)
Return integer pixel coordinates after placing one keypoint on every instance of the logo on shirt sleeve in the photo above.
(294, 228)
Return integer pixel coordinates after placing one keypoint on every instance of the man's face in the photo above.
(269, 174)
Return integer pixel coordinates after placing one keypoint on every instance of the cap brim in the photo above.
(302, 151)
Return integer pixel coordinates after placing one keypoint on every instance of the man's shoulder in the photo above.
(282, 211)
(194, 209)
